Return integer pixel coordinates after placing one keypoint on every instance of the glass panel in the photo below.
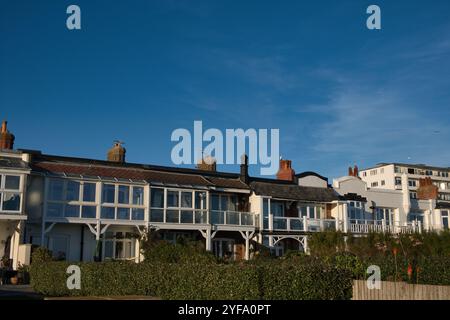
(303, 211)
(137, 214)
(217, 217)
(109, 249)
(233, 218)
(73, 191)
(266, 223)
(12, 182)
(72, 211)
(223, 203)
(54, 210)
(200, 217)
(247, 219)
(123, 213)
(233, 203)
(172, 199)
(107, 213)
(186, 199)
(88, 212)
(266, 207)
(11, 201)
(55, 189)
(172, 216)
(277, 208)
(138, 196)
(187, 216)
(124, 194)
(279, 224)
(157, 198)
(89, 192)
(215, 202)
(108, 193)
(200, 200)
(156, 215)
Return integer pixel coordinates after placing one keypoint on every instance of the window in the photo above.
(172, 199)
(12, 183)
(137, 214)
(119, 246)
(157, 198)
(398, 181)
(277, 208)
(382, 170)
(428, 172)
(365, 174)
(55, 210)
(445, 217)
(89, 192)
(107, 213)
(124, 194)
(123, 213)
(138, 196)
(11, 201)
(374, 184)
(356, 211)
(415, 217)
(266, 213)
(412, 183)
(373, 172)
(73, 191)
(413, 195)
(383, 182)
(56, 189)
(186, 199)
(72, 211)
(88, 212)
(384, 214)
(108, 193)
(411, 171)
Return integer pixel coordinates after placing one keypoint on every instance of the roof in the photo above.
(292, 191)
(13, 163)
(311, 173)
(152, 174)
(419, 166)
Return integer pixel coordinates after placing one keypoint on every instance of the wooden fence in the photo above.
(399, 291)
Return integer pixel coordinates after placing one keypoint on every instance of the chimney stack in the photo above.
(207, 163)
(244, 169)
(286, 172)
(117, 153)
(6, 138)
(353, 172)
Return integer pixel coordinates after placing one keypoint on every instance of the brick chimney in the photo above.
(427, 190)
(208, 163)
(6, 138)
(243, 176)
(286, 172)
(117, 152)
(353, 172)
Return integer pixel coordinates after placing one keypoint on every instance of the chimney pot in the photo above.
(286, 172)
(117, 153)
(6, 138)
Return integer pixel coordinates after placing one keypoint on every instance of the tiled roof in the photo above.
(293, 191)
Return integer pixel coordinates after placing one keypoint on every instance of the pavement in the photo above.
(18, 292)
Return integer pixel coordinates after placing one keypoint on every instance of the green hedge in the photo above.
(274, 280)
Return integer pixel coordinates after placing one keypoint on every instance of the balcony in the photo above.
(303, 224)
(197, 217)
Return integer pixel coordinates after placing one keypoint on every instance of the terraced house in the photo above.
(86, 209)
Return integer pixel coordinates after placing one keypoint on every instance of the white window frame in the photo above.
(19, 191)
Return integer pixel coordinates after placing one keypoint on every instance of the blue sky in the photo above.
(339, 93)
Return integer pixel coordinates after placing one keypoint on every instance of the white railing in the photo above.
(288, 224)
(236, 218)
(367, 226)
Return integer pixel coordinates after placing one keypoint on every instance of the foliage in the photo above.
(294, 278)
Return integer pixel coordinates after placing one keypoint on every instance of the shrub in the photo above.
(277, 279)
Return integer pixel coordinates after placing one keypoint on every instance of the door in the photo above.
(444, 215)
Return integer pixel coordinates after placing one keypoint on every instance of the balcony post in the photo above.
(240, 218)
(420, 226)
(305, 223)
(225, 217)
(383, 225)
(345, 217)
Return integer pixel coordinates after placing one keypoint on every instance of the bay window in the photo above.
(122, 202)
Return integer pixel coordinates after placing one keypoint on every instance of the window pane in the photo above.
(138, 196)
(11, 201)
(137, 214)
(186, 199)
(72, 211)
(223, 203)
(157, 198)
(156, 215)
(12, 183)
(109, 249)
(124, 194)
(108, 193)
(73, 191)
(88, 212)
(187, 217)
(54, 210)
(200, 200)
(215, 202)
(172, 216)
(107, 213)
(123, 213)
(89, 192)
(55, 189)
(172, 198)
